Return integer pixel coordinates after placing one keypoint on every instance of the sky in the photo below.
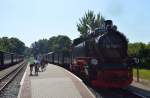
(31, 20)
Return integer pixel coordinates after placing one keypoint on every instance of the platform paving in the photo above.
(55, 82)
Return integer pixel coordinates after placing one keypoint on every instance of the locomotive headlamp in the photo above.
(94, 61)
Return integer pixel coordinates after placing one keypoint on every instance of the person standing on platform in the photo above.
(43, 63)
(39, 58)
(36, 67)
(31, 63)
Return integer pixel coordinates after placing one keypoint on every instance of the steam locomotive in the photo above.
(100, 58)
(9, 59)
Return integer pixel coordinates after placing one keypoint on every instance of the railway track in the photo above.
(115, 93)
(9, 77)
(140, 94)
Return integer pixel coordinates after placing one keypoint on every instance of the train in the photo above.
(62, 58)
(8, 59)
(101, 58)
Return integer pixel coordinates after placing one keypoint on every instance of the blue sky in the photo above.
(30, 20)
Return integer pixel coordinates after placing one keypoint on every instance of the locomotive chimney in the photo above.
(108, 24)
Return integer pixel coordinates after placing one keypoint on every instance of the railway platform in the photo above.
(142, 87)
(54, 82)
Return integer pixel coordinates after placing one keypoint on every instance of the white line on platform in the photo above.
(73, 75)
(23, 78)
(22, 81)
(81, 82)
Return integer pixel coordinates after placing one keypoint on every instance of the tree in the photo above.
(134, 48)
(142, 51)
(35, 48)
(28, 51)
(89, 20)
(16, 46)
(4, 44)
(40, 47)
(59, 43)
(55, 43)
(77, 41)
(13, 45)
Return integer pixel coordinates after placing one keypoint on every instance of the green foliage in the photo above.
(89, 19)
(142, 51)
(40, 47)
(4, 44)
(13, 45)
(28, 51)
(78, 40)
(16, 46)
(55, 43)
(59, 43)
(134, 48)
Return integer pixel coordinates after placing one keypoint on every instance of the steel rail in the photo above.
(137, 93)
(10, 76)
(115, 93)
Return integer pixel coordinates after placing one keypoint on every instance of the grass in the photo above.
(143, 73)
